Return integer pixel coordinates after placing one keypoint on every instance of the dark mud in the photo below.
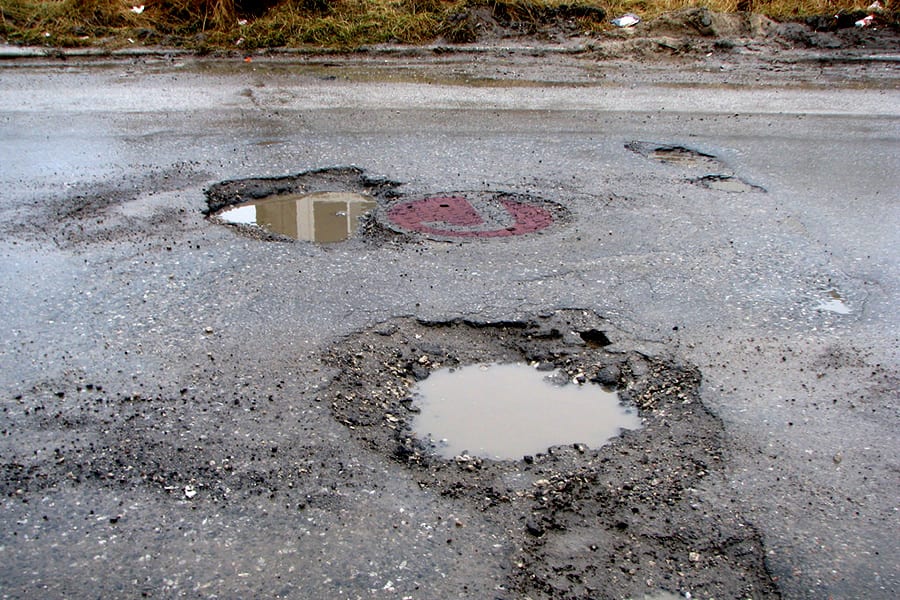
(684, 32)
(622, 520)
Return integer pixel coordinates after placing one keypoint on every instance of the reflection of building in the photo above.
(317, 217)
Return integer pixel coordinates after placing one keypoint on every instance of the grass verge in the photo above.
(338, 24)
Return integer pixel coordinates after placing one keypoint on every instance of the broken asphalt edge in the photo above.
(11, 52)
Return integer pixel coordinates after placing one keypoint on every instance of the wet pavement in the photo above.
(169, 426)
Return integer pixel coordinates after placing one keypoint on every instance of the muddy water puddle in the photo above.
(506, 411)
(322, 217)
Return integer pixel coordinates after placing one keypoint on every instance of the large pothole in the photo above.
(623, 519)
(334, 204)
(322, 205)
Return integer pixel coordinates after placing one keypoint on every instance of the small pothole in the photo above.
(679, 156)
(727, 183)
(685, 157)
(507, 411)
(834, 303)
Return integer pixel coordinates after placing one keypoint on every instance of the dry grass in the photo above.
(344, 24)
(324, 23)
(779, 9)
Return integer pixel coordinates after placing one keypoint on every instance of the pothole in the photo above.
(381, 371)
(727, 183)
(322, 205)
(602, 520)
(507, 411)
(718, 176)
(467, 215)
(835, 303)
(679, 156)
(685, 157)
(322, 217)
(331, 204)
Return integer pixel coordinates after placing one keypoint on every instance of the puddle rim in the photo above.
(392, 435)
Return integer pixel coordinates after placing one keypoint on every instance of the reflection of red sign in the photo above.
(470, 216)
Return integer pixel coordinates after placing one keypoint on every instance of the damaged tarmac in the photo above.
(209, 410)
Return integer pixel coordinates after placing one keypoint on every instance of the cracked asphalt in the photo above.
(145, 347)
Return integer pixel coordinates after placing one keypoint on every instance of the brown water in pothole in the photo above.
(317, 217)
(507, 411)
(685, 157)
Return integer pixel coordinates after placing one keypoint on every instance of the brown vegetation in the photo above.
(334, 23)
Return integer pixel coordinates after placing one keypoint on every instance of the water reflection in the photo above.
(322, 217)
(835, 303)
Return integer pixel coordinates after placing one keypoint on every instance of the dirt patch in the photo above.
(704, 22)
(685, 32)
(623, 520)
(315, 24)
(515, 19)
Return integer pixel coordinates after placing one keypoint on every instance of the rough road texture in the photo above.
(180, 414)
(624, 519)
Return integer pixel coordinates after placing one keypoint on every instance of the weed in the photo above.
(341, 24)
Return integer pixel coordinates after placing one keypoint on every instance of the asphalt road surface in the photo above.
(160, 373)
